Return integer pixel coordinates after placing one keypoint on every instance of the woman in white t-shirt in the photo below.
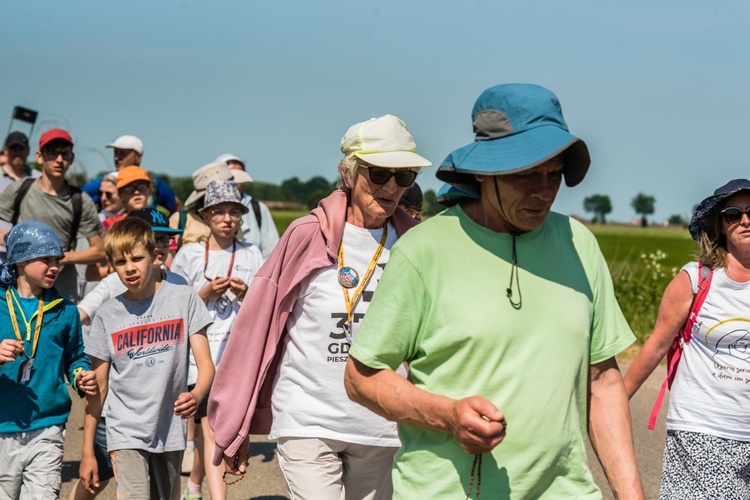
(707, 454)
(291, 339)
(219, 269)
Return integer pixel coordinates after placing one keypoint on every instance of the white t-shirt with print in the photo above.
(711, 391)
(190, 261)
(309, 399)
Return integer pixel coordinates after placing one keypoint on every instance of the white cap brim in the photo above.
(394, 159)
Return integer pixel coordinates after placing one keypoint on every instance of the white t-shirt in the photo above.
(309, 399)
(190, 261)
(711, 391)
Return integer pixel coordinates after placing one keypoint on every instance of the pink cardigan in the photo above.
(240, 401)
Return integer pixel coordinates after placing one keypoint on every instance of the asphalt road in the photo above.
(265, 482)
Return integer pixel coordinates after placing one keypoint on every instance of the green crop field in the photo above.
(283, 218)
(642, 262)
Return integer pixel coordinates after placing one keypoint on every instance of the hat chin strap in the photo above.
(515, 232)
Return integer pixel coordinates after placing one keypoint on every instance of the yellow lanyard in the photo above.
(350, 301)
(40, 315)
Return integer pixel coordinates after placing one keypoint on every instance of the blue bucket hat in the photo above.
(706, 210)
(449, 195)
(517, 127)
(26, 241)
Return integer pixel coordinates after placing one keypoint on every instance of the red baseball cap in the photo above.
(53, 134)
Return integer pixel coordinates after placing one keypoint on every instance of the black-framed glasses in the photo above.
(141, 187)
(734, 214)
(52, 154)
(380, 175)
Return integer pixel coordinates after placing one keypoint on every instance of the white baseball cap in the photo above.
(128, 142)
(383, 142)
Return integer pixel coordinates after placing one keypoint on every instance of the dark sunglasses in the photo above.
(380, 175)
(52, 154)
(107, 194)
(141, 187)
(734, 214)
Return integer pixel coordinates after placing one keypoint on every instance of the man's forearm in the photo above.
(610, 430)
(88, 256)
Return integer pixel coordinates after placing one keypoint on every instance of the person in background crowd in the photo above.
(109, 199)
(189, 220)
(411, 201)
(257, 224)
(219, 270)
(16, 150)
(707, 453)
(509, 326)
(282, 371)
(36, 404)
(52, 200)
(15, 166)
(128, 151)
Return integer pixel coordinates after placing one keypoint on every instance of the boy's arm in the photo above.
(89, 471)
(77, 364)
(92, 255)
(187, 404)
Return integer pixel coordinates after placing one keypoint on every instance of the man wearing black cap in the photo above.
(509, 325)
(16, 149)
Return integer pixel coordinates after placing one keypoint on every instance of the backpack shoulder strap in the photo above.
(256, 211)
(705, 275)
(77, 201)
(20, 195)
(181, 225)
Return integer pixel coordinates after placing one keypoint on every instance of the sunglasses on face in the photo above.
(734, 214)
(380, 175)
(141, 187)
(52, 154)
(163, 239)
(107, 194)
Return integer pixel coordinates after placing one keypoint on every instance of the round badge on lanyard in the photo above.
(348, 277)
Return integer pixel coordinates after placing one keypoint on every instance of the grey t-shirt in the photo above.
(57, 213)
(146, 343)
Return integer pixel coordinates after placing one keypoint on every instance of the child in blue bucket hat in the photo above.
(40, 345)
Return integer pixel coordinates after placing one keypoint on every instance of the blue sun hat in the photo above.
(517, 127)
(28, 240)
(706, 210)
(449, 194)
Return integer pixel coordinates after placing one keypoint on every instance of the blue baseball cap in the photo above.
(159, 222)
(517, 127)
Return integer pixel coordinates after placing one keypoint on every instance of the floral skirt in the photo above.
(700, 466)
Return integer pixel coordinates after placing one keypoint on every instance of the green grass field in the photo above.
(283, 218)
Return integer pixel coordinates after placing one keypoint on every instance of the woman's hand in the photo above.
(238, 287)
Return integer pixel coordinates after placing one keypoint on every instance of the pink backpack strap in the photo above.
(705, 274)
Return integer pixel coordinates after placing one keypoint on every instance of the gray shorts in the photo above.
(141, 474)
(31, 463)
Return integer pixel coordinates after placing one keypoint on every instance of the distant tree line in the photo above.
(644, 205)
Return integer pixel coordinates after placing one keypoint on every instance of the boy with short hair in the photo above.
(143, 335)
(34, 362)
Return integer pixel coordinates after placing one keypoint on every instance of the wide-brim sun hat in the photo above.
(517, 127)
(223, 191)
(383, 142)
(706, 209)
(450, 194)
(217, 170)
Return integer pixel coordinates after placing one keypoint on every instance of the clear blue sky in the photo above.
(658, 90)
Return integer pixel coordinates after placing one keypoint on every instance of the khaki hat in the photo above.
(383, 142)
(211, 172)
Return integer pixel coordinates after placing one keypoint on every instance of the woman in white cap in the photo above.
(282, 371)
(707, 453)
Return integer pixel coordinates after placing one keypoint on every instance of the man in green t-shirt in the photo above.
(504, 312)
